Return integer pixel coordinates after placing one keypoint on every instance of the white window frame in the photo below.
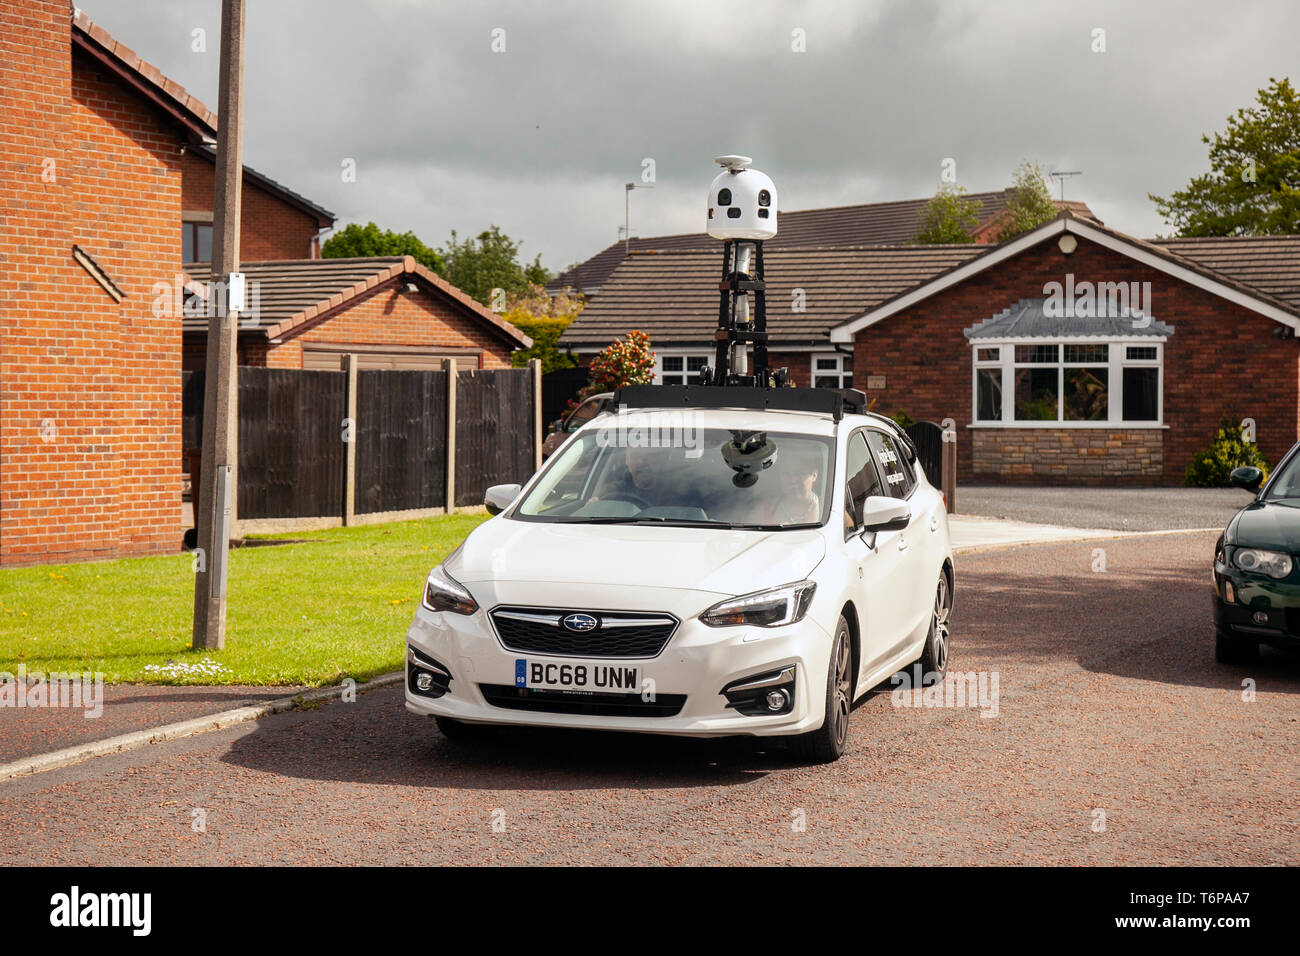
(1117, 361)
(682, 354)
(844, 377)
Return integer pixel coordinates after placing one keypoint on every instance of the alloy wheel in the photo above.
(942, 608)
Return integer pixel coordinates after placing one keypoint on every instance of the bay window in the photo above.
(1067, 383)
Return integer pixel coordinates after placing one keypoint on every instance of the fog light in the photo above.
(776, 700)
(1229, 594)
(424, 681)
(1260, 617)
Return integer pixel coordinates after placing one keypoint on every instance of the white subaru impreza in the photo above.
(705, 571)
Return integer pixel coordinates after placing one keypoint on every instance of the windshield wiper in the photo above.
(667, 522)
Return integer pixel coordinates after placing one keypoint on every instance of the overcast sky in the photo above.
(539, 139)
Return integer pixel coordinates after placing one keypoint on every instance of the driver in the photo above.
(640, 483)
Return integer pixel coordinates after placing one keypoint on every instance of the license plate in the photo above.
(589, 676)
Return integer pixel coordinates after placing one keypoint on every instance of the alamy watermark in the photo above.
(974, 689)
(56, 689)
(1122, 300)
(189, 298)
(670, 430)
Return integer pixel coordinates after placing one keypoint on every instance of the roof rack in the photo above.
(835, 402)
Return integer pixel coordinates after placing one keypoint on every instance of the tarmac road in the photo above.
(1117, 740)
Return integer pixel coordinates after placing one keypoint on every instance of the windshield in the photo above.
(768, 480)
(1286, 483)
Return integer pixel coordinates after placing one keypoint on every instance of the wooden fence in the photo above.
(343, 445)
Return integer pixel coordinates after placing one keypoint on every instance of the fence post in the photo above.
(350, 440)
(449, 366)
(535, 366)
(949, 460)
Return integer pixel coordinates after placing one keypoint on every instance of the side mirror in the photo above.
(880, 513)
(500, 497)
(1248, 477)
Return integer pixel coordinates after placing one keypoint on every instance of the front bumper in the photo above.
(1261, 608)
(697, 663)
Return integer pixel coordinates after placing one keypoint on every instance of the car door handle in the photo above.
(902, 543)
(934, 523)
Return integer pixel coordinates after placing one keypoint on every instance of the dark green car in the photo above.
(1257, 566)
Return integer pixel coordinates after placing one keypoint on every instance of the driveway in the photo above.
(1117, 509)
(1117, 740)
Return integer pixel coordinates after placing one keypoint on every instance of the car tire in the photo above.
(827, 743)
(454, 729)
(933, 662)
(1230, 649)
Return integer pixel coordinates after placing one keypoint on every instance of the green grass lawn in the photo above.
(335, 605)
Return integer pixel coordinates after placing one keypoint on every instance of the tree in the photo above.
(542, 318)
(950, 216)
(1030, 203)
(536, 273)
(1253, 187)
(625, 361)
(369, 240)
(489, 261)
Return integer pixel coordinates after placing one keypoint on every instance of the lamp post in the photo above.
(627, 233)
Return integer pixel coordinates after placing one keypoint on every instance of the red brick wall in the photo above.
(392, 316)
(269, 227)
(89, 389)
(1221, 360)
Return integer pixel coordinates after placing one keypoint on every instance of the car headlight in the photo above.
(442, 592)
(1273, 563)
(771, 608)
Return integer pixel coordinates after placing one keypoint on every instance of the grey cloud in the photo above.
(540, 139)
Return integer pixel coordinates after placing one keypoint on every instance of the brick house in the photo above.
(274, 221)
(1094, 392)
(973, 333)
(89, 399)
(672, 296)
(391, 311)
(105, 161)
(616, 281)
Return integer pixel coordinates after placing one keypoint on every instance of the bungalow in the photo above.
(1049, 381)
(1071, 354)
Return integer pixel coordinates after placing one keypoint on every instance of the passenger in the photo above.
(795, 501)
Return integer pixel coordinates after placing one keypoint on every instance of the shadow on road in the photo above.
(1143, 618)
(376, 741)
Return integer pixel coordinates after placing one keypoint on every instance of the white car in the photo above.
(707, 572)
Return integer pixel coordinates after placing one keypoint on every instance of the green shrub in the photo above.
(1210, 468)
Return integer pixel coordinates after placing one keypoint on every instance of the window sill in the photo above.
(1113, 426)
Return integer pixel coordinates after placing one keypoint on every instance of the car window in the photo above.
(862, 480)
(584, 413)
(1286, 482)
(893, 463)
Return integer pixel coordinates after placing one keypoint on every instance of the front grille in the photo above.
(593, 705)
(535, 630)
